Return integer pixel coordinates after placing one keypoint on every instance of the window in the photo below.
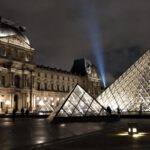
(57, 87)
(52, 87)
(45, 86)
(63, 88)
(38, 86)
(3, 81)
(17, 81)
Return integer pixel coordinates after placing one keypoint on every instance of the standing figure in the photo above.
(118, 111)
(22, 111)
(140, 111)
(27, 112)
(14, 114)
(108, 110)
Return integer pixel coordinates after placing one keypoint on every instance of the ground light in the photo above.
(140, 134)
(132, 131)
(132, 128)
(62, 125)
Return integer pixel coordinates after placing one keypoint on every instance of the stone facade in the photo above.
(40, 88)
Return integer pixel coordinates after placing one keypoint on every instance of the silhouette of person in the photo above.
(27, 112)
(14, 114)
(118, 111)
(109, 110)
(140, 111)
(22, 111)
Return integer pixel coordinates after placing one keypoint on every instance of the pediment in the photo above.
(16, 40)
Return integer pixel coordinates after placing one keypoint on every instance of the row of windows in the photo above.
(14, 54)
(17, 81)
(59, 77)
(53, 87)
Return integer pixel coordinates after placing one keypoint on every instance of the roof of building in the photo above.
(52, 69)
(9, 28)
(80, 66)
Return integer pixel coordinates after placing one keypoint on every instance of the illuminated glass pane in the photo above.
(77, 113)
(82, 107)
(68, 107)
(87, 99)
(62, 113)
(74, 99)
(78, 91)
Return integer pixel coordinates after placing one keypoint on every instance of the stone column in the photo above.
(12, 78)
(23, 81)
(9, 78)
(31, 86)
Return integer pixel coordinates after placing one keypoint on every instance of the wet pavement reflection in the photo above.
(31, 134)
(26, 132)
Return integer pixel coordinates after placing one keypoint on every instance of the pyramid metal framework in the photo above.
(131, 91)
(78, 104)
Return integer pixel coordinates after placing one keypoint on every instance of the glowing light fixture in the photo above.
(41, 103)
(62, 125)
(7, 102)
(132, 128)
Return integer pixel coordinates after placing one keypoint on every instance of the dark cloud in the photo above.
(118, 60)
(55, 29)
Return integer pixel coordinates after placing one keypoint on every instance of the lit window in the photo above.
(51, 98)
(57, 99)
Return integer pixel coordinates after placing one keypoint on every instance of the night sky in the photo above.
(56, 29)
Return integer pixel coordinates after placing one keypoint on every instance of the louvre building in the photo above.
(129, 94)
(40, 88)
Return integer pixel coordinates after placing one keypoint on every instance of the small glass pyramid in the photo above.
(78, 104)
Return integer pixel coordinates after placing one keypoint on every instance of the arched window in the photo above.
(17, 81)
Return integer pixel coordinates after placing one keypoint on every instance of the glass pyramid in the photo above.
(131, 91)
(78, 104)
(44, 106)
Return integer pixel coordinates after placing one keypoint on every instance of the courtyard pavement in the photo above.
(34, 133)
